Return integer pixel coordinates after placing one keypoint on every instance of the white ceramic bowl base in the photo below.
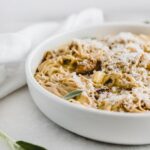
(112, 127)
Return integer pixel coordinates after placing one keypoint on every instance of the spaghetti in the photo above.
(113, 72)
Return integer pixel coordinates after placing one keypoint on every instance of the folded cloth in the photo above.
(14, 47)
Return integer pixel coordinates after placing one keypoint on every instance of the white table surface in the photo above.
(22, 120)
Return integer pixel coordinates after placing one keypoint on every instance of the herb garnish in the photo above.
(19, 145)
(29, 146)
(73, 94)
(147, 21)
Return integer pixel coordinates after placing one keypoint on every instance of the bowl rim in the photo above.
(54, 97)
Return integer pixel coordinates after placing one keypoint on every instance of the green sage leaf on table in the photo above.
(73, 94)
(19, 145)
(147, 21)
(29, 146)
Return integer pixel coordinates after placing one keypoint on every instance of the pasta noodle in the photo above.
(113, 72)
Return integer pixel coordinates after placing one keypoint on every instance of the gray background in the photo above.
(15, 14)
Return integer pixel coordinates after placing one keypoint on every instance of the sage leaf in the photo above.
(11, 143)
(147, 21)
(92, 38)
(19, 145)
(73, 94)
(29, 146)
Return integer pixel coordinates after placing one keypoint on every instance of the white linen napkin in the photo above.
(14, 47)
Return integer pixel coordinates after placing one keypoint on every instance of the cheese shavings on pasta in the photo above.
(113, 72)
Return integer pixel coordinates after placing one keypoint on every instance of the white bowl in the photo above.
(112, 127)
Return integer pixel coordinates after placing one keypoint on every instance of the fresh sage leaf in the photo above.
(11, 143)
(19, 145)
(29, 146)
(147, 21)
(92, 38)
(73, 94)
